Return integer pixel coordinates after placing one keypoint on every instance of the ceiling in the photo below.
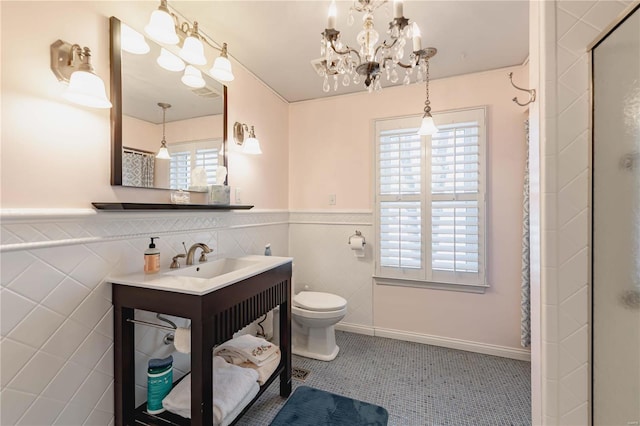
(277, 40)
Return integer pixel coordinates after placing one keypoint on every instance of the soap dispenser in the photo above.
(152, 258)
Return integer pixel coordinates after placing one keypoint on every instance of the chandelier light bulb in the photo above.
(333, 12)
(169, 61)
(417, 37)
(397, 9)
(161, 26)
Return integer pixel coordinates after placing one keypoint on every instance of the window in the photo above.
(430, 199)
(186, 156)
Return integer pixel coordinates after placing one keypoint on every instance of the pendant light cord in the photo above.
(427, 103)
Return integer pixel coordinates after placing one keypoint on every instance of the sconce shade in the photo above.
(193, 77)
(251, 146)
(169, 61)
(86, 88)
(161, 27)
(133, 41)
(163, 154)
(221, 69)
(193, 51)
(428, 127)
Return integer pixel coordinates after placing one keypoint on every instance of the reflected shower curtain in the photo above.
(525, 303)
(137, 168)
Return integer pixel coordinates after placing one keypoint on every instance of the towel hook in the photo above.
(531, 92)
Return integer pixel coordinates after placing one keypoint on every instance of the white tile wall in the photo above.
(324, 261)
(569, 27)
(56, 313)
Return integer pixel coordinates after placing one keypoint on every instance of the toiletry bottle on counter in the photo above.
(152, 258)
(267, 250)
(159, 383)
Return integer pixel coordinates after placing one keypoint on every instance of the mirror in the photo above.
(152, 105)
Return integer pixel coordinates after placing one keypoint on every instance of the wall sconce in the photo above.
(165, 27)
(72, 64)
(133, 41)
(250, 145)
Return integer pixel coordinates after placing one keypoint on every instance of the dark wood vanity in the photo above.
(215, 317)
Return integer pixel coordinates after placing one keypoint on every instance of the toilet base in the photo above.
(307, 354)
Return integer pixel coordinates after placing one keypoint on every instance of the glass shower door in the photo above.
(616, 226)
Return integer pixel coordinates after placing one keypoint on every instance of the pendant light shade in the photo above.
(169, 61)
(161, 26)
(193, 77)
(163, 152)
(428, 127)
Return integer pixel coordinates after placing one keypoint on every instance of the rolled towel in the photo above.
(266, 369)
(247, 348)
(230, 386)
(182, 340)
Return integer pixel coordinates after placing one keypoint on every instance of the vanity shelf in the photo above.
(215, 316)
(168, 206)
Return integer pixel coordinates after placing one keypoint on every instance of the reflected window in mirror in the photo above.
(196, 119)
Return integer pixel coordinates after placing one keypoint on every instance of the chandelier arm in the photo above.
(384, 45)
(346, 51)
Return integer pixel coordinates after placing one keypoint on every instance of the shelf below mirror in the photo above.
(168, 206)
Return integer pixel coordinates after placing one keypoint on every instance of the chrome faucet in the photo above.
(192, 251)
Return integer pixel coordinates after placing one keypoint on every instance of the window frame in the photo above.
(425, 276)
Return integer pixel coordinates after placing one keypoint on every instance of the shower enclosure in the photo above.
(616, 225)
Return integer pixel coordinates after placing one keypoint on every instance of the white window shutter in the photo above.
(180, 170)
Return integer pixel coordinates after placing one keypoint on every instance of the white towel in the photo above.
(247, 348)
(182, 340)
(230, 386)
(266, 369)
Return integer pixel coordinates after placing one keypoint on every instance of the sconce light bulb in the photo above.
(193, 77)
(221, 70)
(161, 27)
(133, 41)
(86, 88)
(193, 51)
(169, 61)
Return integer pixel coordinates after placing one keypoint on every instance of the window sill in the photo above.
(464, 288)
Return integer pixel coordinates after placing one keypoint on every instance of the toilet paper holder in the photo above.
(357, 234)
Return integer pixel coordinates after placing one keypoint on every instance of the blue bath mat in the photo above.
(313, 407)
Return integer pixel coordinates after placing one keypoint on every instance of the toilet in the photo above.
(314, 315)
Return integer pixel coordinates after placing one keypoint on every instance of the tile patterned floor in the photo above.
(418, 384)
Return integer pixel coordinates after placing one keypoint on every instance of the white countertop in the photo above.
(167, 280)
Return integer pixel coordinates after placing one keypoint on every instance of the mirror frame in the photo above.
(115, 45)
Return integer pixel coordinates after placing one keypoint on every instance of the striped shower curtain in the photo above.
(525, 304)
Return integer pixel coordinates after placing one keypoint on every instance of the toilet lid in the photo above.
(317, 301)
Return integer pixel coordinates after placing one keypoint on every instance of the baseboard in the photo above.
(356, 328)
(465, 345)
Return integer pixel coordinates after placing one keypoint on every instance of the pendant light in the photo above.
(163, 153)
(428, 127)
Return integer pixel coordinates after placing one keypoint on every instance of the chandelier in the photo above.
(370, 60)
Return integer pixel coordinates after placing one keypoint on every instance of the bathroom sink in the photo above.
(203, 278)
(214, 268)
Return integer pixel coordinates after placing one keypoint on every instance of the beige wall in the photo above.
(56, 154)
(331, 153)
